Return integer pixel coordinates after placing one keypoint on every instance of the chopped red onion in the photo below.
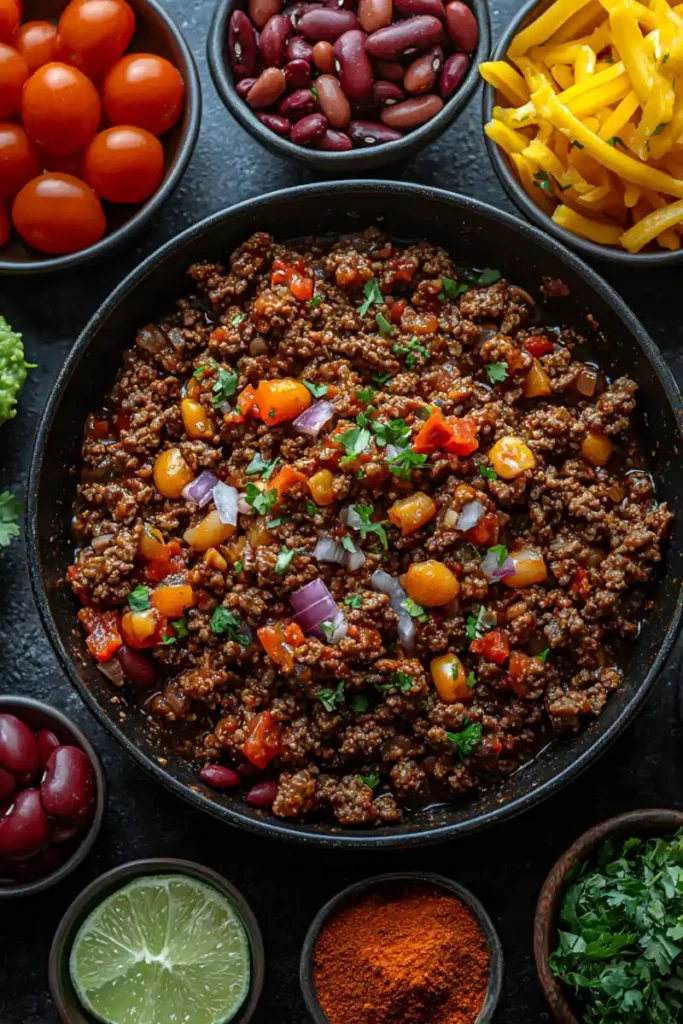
(113, 671)
(492, 569)
(472, 512)
(406, 632)
(312, 420)
(349, 517)
(101, 542)
(313, 604)
(385, 584)
(225, 498)
(328, 550)
(340, 628)
(200, 489)
(243, 506)
(354, 560)
(392, 451)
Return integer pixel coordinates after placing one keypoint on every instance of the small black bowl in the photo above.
(356, 159)
(349, 895)
(155, 32)
(66, 1002)
(41, 716)
(508, 179)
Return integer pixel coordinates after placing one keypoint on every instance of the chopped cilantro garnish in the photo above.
(355, 441)
(381, 378)
(372, 294)
(238, 568)
(284, 559)
(314, 303)
(317, 390)
(311, 509)
(416, 611)
(405, 463)
(371, 781)
(501, 553)
(348, 545)
(278, 522)
(396, 432)
(496, 372)
(359, 703)
(471, 680)
(225, 386)
(412, 350)
(331, 698)
(224, 621)
(385, 328)
(355, 601)
(486, 276)
(402, 681)
(487, 472)
(259, 465)
(367, 526)
(452, 289)
(467, 739)
(138, 599)
(262, 502)
(363, 418)
(366, 395)
(199, 372)
(168, 640)
(476, 626)
(237, 320)
(543, 656)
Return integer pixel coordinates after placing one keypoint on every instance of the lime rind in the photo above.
(164, 949)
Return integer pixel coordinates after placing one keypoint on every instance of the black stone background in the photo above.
(285, 884)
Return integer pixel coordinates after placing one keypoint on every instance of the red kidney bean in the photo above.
(423, 72)
(323, 57)
(332, 101)
(295, 12)
(247, 770)
(462, 26)
(136, 666)
(387, 93)
(352, 64)
(260, 11)
(299, 48)
(262, 794)
(297, 105)
(219, 777)
(243, 87)
(242, 46)
(68, 789)
(334, 142)
(19, 752)
(433, 7)
(374, 14)
(412, 112)
(389, 69)
(341, 5)
(308, 129)
(8, 786)
(279, 125)
(405, 37)
(454, 70)
(24, 829)
(47, 742)
(273, 41)
(372, 133)
(297, 73)
(327, 24)
(267, 88)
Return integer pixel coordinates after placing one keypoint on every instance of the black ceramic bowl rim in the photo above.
(524, 202)
(346, 896)
(356, 159)
(337, 192)
(193, 101)
(13, 705)
(62, 990)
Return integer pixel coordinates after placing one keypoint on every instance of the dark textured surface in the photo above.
(286, 885)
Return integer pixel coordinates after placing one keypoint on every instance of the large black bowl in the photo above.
(474, 233)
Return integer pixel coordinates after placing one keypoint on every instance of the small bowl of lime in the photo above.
(156, 941)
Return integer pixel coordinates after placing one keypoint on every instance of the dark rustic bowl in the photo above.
(478, 235)
(514, 189)
(41, 716)
(66, 1002)
(634, 823)
(349, 895)
(356, 159)
(155, 32)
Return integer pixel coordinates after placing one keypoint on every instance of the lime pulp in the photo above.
(164, 949)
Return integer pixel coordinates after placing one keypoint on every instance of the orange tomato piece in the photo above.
(464, 440)
(510, 456)
(530, 568)
(412, 512)
(485, 533)
(597, 448)
(172, 600)
(430, 583)
(277, 401)
(151, 545)
(142, 629)
(450, 679)
(537, 382)
(273, 639)
(433, 434)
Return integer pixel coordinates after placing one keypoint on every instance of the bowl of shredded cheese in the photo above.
(583, 116)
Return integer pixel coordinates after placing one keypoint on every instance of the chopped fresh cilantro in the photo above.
(452, 289)
(487, 472)
(225, 386)
(359, 473)
(278, 522)
(366, 395)
(385, 328)
(168, 640)
(9, 514)
(179, 627)
(496, 372)
(317, 390)
(396, 432)
(487, 276)
(359, 703)
(402, 681)
(405, 463)
(238, 568)
(328, 629)
(665, 58)
(224, 621)
(259, 465)
(314, 303)
(348, 545)
(237, 320)
(138, 599)
(471, 680)
(467, 739)
(311, 509)
(367, 526)
(271, 413)
(262, 502)
(476, 624)
(412, 350)
(372, 294)
(355, 601)
(501, 553)
(416, 611)
(543, 656)
(381, 378)
(355, 441)
(660, 128)
(371, 781)
(363, 418)
(331, 698)
(199, 372)
(284, 559)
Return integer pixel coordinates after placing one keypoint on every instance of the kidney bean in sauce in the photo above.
(388, 64)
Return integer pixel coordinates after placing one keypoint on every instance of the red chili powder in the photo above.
(402, 955)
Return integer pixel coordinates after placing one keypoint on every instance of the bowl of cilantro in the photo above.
(608, 932)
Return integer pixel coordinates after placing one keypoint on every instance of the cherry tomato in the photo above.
(38, 44)
(57, 214)
(10, 16)
(5, 225)
(94, 33)
(60, 108)
(124, 164)
(19, 159)
(144, 90)
(13, 74)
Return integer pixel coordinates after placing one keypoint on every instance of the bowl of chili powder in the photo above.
(406, 948)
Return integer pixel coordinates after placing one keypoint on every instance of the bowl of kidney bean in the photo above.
(347, 84)
(52, 796)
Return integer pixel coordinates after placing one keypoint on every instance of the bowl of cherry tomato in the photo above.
(100, 106)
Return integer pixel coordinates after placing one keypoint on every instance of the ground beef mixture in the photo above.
(440, 539)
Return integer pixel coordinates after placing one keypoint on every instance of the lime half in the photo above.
(165, 949)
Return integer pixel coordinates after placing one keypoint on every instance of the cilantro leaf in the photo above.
(284, 559)
(382, 378)
(262, 502)
(366, 395)
(371, 781)
(396, 432)
(317, 390)
(479, 623)
(355, 441)
(385, 328)
(488, 276)
(372, 294)
(543, 656)
(496, 372)
(542, 181)
(501, 553)
(138, 599)
(467, 739)
(367, 526)
(452, 289)
(311, 509)
(354, 601)
(259, 465)
(237, 320)
(359, 703)
(412, 350)
(416, 611)
(471, 680)
(316, 300)
(225, 386)
(226, 622)
(487, 472)
(179, 627)
(9, 514)
(660, 128)
(238, 568)
(330, 699)
(405, 463)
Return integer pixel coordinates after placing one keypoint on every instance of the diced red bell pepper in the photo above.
(538, 346)
(580, 584)
(296, 276)
(464, 438)
(173, 565)
(285, 479)
(397, 311)
(273, 639)
(494, 646)
(485, 533)
(434, 433)
(294, 634)
(264, 740)
(103, 638)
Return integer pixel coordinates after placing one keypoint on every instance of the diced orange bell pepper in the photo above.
(485, 533)
(597, 448)
(103, 638)
(142, 629)
(410, 513)
(450, 679)
(152, 546)
(494, 646)
(537, 382)
(530, 568)
(464, 440)
(264, 740)
(510, 456)
(321, 486)
(172, 600)
(284, 480)
(294, 635)
(275, 645)
(430, 583)
(277, 401)
(301, 287)
(159, 568)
